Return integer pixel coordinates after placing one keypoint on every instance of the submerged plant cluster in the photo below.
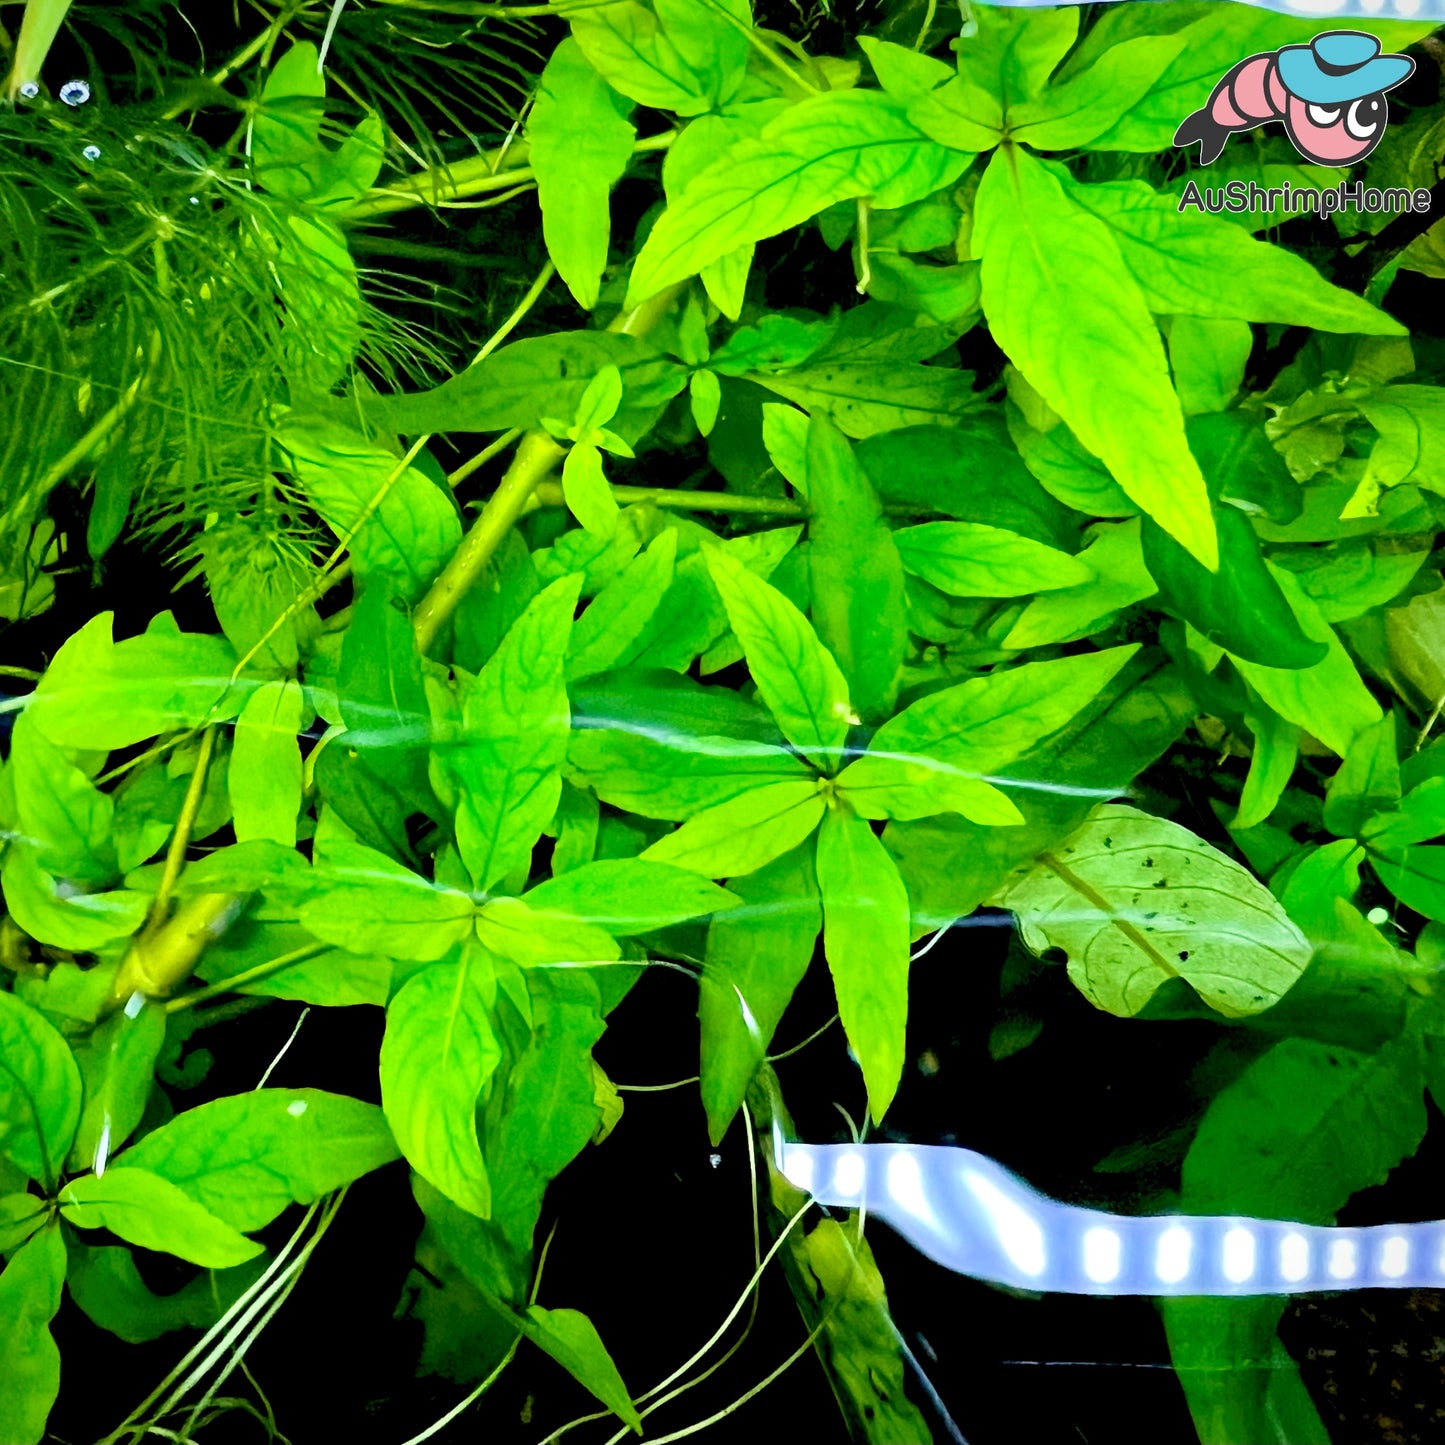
(593, 487)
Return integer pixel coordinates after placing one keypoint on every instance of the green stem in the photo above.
(239, 981)
(474, 176)
(549, 494)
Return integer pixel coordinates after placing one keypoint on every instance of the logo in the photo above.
(1330, 94)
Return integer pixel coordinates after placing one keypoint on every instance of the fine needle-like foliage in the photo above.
(654, 484)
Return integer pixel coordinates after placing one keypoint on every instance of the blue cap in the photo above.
(1340, 66)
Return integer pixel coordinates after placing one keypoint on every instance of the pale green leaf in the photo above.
(969, 559)
(145, 1209)
(610, 632)
(883, 785)
(117, 1064)
(572, 1340)
(264, 775)
(532, 938)
(1135, 901)
(247, 1156)
(60, 813)
(52, 911)
(630, 895)
(587, 493)
(733, 838)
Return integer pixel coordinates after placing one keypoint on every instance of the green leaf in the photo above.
(972, 472)
(1116, 556)
(580, 141)
(29, 1361)
(796, 675)
(1416, 876)
(1208, 359)
(405, 526)
(1367, 782)
(1305, 1127)
(438, 1052)
(264, 774)
(1271, 765)
(544, 376)
(117, 1064)
(334, 977)
(1072, 113)
(515, 722)
(490, 607)
(530, 938)
(40, 1092)
(286, 148)
(145, 1209)
(59, 811)
(687, 56)
(321, 289)
(1013, 52)
(857, 577)
(630, 895)
(617, 621)
(537, 1121)
(1408, 420)
(675, 775)
(572, 1340)
(584, 486)
(866, 937)
(825, 149)
(960, 115)
(889, 786)
(20, 1216)
(1136, 901)
(733, 838)
(985, 723)
(1035, 238)
(101, 695)
(247, 1156)
(365, 902)
(903, 73)
(106, 1284)
(971, 559)
(1240, 607)
(1177, 259)
(756, 957)
(1328, 700)
(52, 912)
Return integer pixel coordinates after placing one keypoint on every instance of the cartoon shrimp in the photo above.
(1330, 94)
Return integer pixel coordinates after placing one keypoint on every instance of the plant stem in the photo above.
(492, 449)
(181, 838)
(536, 455)
(471, 177)
(246, 976)
(549, 494)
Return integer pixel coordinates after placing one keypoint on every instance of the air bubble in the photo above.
(194, 200)
(1377, 916)
(30, 90)
(91, 153)
(75, 92)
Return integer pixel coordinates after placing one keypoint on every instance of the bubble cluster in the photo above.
(75, 92)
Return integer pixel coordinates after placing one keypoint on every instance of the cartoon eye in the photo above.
(1322, 115)
(1364, 117)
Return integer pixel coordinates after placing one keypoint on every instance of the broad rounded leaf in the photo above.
(1135, 901)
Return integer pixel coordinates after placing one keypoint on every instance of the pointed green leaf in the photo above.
(617, 620)
(117, 1065)
(572, 1340)
(1035, 239)
(40, 1092)
(827, 148)
(264, 773)
(885, 785)
(630, 895)
(742, 834)
(59, 811)
(580, 141)
(145, 1209)
(50, 910)
(969, 559)
(796, 675)
(515, 722)
(866, 937)
(438, 1052)
(30, 1290)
